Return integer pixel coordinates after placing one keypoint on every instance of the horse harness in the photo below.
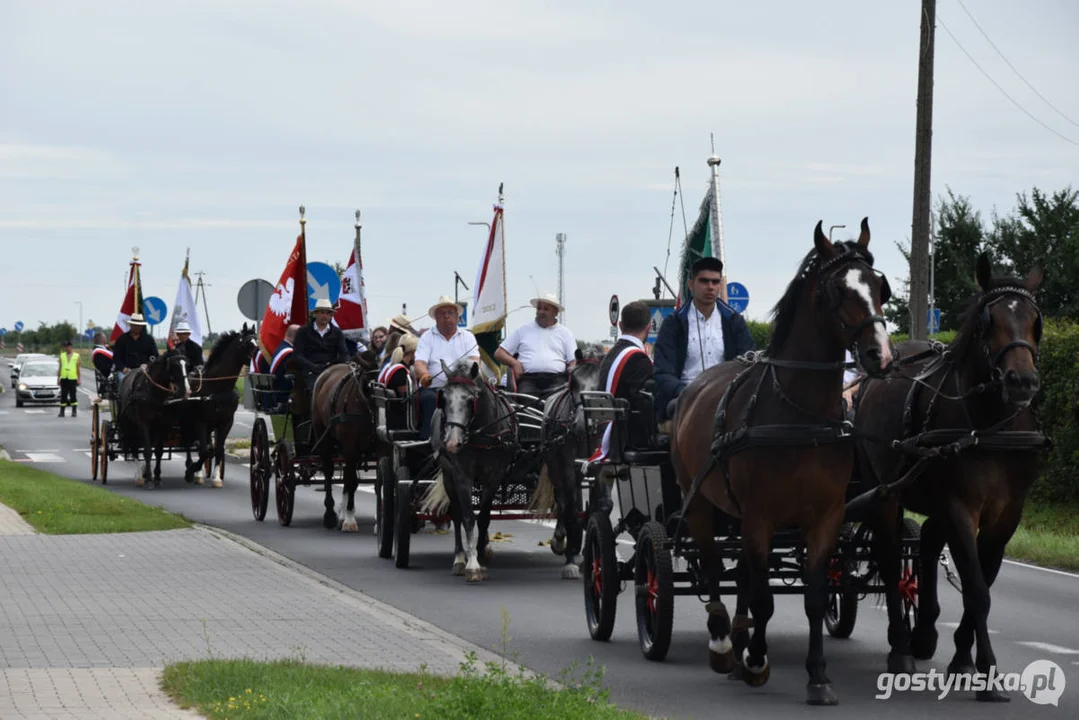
(479, 439)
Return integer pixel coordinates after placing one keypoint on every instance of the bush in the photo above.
(761, 332)
(1058, 410)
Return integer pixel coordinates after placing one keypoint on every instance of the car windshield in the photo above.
(34, 369)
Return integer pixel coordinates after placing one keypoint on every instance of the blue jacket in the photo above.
(670, 350)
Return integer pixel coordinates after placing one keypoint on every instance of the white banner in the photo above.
(489, 301)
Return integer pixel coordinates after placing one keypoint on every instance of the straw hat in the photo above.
(549, 299)
(444, 301)
(323, 304)
(401, 322)
(137, 319)
(183, 327)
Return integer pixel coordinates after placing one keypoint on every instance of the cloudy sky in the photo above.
(203, 125)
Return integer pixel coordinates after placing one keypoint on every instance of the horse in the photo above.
(476, 444)
(145, 419)
(213, 407)
(342, 419)
(763, 439)
(960, 425)
(565, 439)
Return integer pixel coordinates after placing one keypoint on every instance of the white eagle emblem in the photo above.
(281, 300)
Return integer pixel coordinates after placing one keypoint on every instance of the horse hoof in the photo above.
(821, 694)
(488, 554)
(923, 643)
(200, 478)
(458, 568)
(216, 483)
(558, 545)
(722, 663)
(571, 572)
(329, 521)
(139, 482)
(756, 677)
(993, 696)
(901, 664)
(473, 576)
(350, 527)
(961, 667)
(189, 478)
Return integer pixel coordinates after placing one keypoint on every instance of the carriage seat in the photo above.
(385, 398)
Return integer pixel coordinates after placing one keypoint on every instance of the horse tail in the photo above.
(436, 501)
(543, 500)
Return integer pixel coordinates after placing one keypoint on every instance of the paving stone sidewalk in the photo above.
(87, 621)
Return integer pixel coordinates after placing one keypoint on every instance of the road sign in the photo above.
(322, 282)
(155, 309)
(253, 298)
(18, 326)
(3, 332)
(933, 318)
(88, 333)
(463, 320)
(19, 347)
(659, 314)
(613, 310)
(737, 297)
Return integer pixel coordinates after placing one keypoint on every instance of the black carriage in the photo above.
(631, 478)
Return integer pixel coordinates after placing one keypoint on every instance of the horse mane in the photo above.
(786, 309)
(217, 353)
(966, 337)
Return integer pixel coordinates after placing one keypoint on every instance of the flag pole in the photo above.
(359, 276)
(717, 220)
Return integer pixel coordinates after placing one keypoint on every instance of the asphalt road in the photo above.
(1033, 615)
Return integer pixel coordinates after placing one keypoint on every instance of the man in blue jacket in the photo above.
(703, 333)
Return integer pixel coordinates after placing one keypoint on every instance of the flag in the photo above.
(489, 300)
(288, 303)
(351, 315)
(700, 243)
(132, 302)
(184, 307)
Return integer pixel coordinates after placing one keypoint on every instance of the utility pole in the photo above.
(923, 150)
(200, 289)
(560, 251)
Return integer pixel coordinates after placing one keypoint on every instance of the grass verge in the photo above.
(58, 506)
(290, 689)
(1048, 535)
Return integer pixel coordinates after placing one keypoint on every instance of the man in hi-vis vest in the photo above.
(69, 380)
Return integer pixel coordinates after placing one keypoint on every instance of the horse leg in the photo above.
(701, 528)
(483, 545)
(348, 498)
(742, 622)
(756, 541)
(463, 490)
(887, 550)
(821, 539)
(329, 518)
(923, 640)
(159, 450)
(575, 527)
(459, 557)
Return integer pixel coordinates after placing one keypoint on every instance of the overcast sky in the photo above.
(202, 124)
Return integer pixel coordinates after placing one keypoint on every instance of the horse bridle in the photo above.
(989, 299)
(828, 288)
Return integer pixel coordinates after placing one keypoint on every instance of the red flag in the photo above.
(288, 304)
(132, 302)
(352, 306)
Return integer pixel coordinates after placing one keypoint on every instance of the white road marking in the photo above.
(955, 625)
(1065, 573)
(1048, 647)
(44, 457)
(34, 412)
(3, 412)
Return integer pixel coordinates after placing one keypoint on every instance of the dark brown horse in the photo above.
(342, 421)
(763, 441)
(969, 450)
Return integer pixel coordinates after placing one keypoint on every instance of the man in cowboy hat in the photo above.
(444, 343)
(188, 347)
(319, 343)
(133, 349)
(544, 350)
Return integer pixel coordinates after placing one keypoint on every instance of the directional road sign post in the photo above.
(155, 310)
(88, 333)
(3, 332)
(933, 318)
(18, 326)
(322, 282)
(660, 310)
(737, 297)
(612, 310)
(463, 320)
(253, 298)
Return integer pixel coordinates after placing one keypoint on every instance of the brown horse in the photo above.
(968, 448)
(342, 421)
(767, 444)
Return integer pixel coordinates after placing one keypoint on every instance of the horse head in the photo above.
(459, 399)
(232, 352)
(849, 295)
(584, 377)
(168, 372)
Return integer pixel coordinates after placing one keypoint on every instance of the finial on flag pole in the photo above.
(303, 210)
(135, 253)
(500, 195)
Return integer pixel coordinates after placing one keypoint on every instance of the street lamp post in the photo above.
(833, 227)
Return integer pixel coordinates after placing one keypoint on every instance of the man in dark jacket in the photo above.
(184, 344)
(626, 369)
(703, 333)
(133, 349)
(319, 344)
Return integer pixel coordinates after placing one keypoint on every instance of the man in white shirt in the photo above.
(443, 343)
(544, 350)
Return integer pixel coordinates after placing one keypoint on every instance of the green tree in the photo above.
(961, 237)
(1044, 229)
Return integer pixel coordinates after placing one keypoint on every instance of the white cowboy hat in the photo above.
(444, 301)
(323, 304)
(137, 319)
(549, 299)
(402, 323)
(183, 327)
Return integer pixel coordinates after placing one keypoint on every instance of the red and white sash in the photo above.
(280, 357)
(101, 350)
(388, 371)
(620, 362)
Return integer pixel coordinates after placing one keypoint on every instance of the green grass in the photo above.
(58, 506)
(293, 689)
(1048, 535)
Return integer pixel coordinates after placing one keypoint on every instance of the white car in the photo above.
(17, 363)
(37, 381)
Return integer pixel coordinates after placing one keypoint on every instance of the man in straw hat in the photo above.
(133, 349)
(544, 350)
(184, 344)
(319, 343)
(445, 342)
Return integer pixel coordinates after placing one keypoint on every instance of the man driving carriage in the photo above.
(186, 346)
(445, 342)
(133, 349)
(541, 353)
(319, 344)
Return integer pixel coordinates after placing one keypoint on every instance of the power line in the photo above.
(1014, 70)
(1002, 90)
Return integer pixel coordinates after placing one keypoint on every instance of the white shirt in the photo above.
(849, 373)
(708, 340)
(542, 350)
(433, 347)
(322, 331)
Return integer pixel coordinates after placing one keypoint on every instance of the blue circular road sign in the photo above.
(18, 326)
(3, 332)
(737, 297)
(88, 333)
(322, 282)
(155, 310)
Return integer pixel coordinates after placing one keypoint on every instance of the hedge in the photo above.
(1057, 403)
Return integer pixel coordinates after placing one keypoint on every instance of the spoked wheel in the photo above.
(911, 535)
(285, 490)
(601, 581)
(95, 419)
(384, 504)
(653, 579)
(403, 524)
(103, 450)
(260, 470)
(842, 610)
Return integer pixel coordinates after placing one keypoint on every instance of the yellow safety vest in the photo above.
(69, 366)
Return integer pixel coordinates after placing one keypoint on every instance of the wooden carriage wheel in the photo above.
(285, 489)
(911, 535)
(103, 450)
(385, 502)
(405, 518)
(601, 577)
(95, 418)
(653, 579)
(260, 470)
